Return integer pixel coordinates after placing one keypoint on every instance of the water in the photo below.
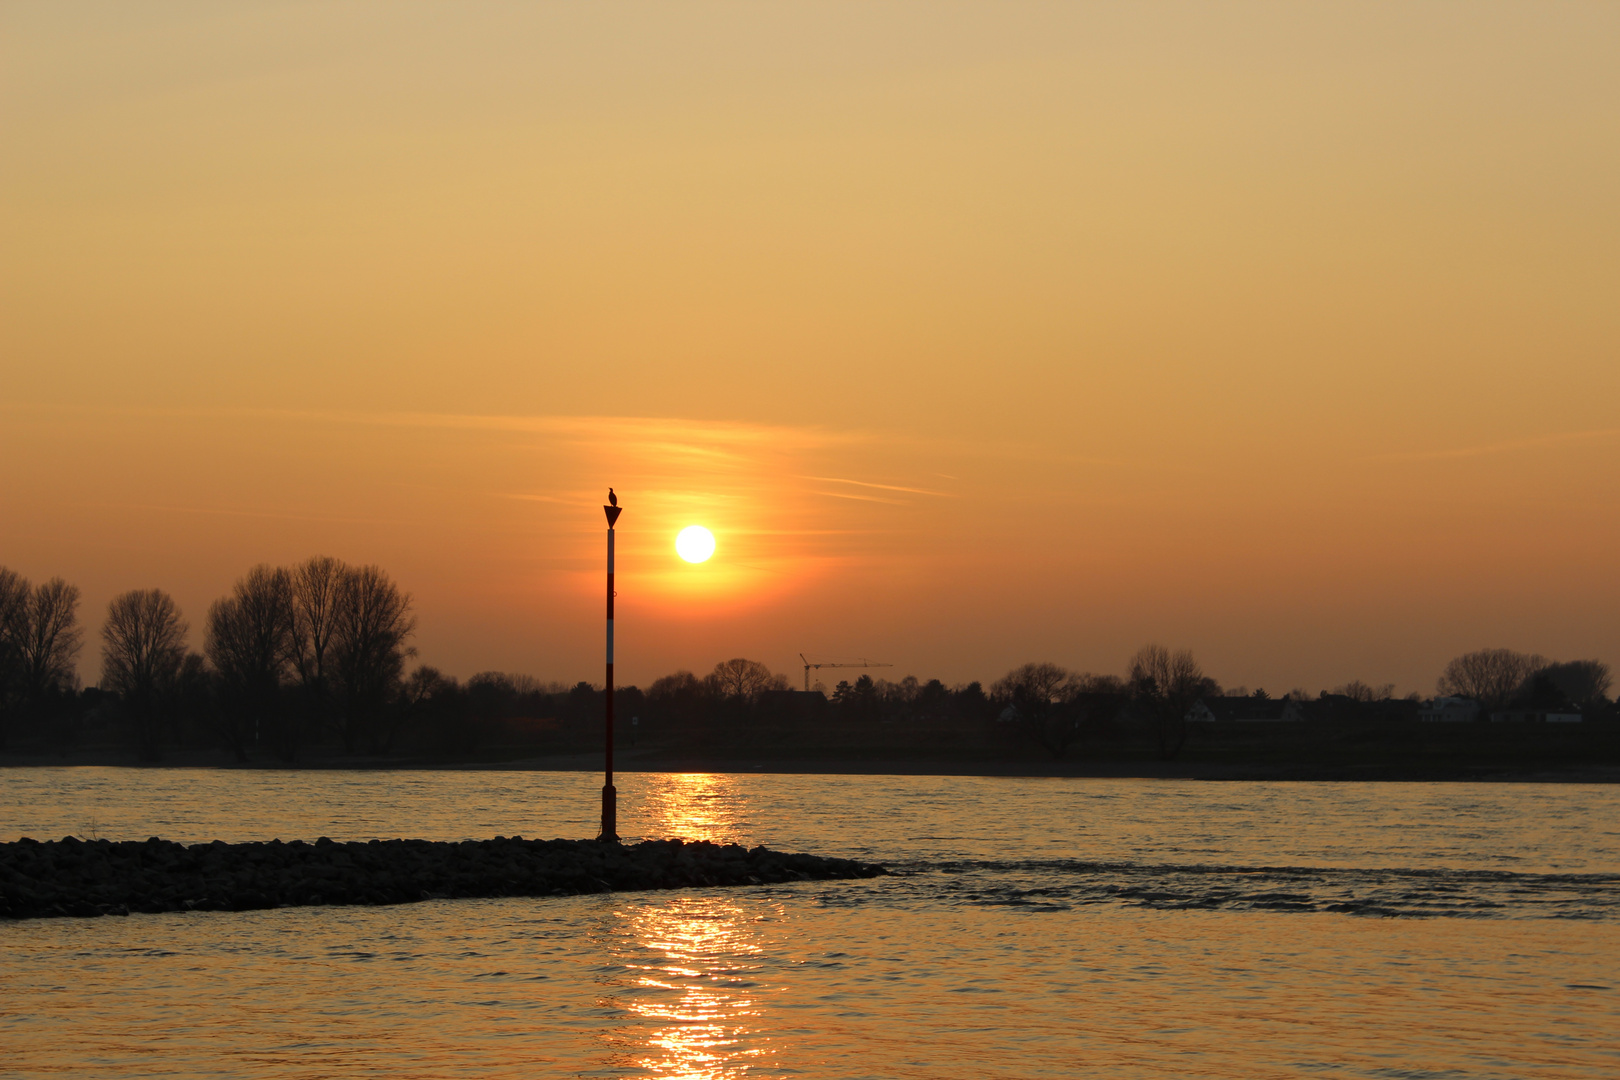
(1035, 927)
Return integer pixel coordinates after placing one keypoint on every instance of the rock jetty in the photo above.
(72, 877)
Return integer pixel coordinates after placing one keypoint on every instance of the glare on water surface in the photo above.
(692, 961)
(693, 806)
(1140, 928)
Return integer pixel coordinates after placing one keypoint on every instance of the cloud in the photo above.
(1490, 449)
(862, 498)
(224, 511)
(881, 487)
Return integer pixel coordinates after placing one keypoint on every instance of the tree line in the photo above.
(39, 648)
(1497, 678)
(316, 655)
(290, 654)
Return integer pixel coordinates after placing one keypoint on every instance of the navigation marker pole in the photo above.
(610, 796)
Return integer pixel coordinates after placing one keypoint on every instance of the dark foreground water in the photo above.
(1035, 927)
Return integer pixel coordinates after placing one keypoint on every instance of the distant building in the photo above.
(1449, 710)
(1245, 710)
(1529, 714)
(1343, 709)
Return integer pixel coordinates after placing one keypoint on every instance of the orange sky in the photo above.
(977, 333)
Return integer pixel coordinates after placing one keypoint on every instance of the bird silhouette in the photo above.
(613, 500)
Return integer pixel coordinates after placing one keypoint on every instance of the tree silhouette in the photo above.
(39, 645)
(1489, 676)
(1054, 704)
(1035, 693)
(143, 648)
(861, 703)
(315, 584)
(1585, 682)
(371, 623)
(1036, 686)
(249, 641)
(51, 645)
(1165, 685)
(14, 594)
(1364, 694)
(742, 681)
(679, 700)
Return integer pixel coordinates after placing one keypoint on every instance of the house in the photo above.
(1531, 714)
(1449, 710)
(1344, 709)
(1245, 710)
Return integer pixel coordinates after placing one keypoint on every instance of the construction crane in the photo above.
(808, 664)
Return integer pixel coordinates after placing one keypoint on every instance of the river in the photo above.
(1032, 928)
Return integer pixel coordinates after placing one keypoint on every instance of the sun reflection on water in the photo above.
(695, 806)
(688, 977)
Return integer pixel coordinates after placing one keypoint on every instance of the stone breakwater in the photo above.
(71, 877)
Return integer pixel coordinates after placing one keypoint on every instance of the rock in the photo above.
(71, 877)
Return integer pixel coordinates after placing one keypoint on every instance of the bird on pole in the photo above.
(610, 795)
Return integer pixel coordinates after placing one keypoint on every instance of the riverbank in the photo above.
(88, 878)
(1529, 771)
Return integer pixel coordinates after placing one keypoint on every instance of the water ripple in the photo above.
(1395, 891)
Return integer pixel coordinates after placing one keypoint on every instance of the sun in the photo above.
(695, 544)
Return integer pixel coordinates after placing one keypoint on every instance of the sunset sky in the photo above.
(976, 333)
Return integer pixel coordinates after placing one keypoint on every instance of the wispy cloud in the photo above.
(712, 436)
(880, 487)
(225, 511)
(524, 497)
(862, 498)
(666, 433)
(746, 474)
(1535, 442)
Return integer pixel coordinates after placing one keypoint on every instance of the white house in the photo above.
(1526, 715)
(1449, 710)
(1245, 710)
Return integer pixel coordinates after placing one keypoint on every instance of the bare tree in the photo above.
(1489, 676)
(250, 643)
(51, 646)
(1358, 691)
(1585, 682)
(439, 710)
(680, 701)
(1094, 701)
(742, 681)
(143, 648)
(315, 585)
(1043, 697)
(190, 705)
(14, 594)
(39, 643)
(1166, 685)
(371, 624)
(1033, 685)
(682, 685)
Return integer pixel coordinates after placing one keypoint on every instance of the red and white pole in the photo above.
(610, 796)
